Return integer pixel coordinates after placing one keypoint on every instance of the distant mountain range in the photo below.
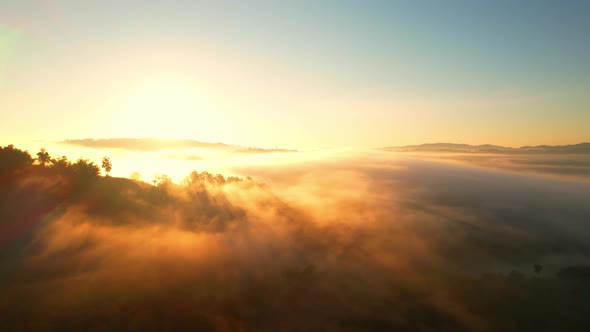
(581, 148)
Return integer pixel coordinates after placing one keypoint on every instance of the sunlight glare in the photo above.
(161, 108)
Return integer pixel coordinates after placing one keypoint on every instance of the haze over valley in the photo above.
(294, 166)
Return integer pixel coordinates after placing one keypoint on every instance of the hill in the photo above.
(581, 148)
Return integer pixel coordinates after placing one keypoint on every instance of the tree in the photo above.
(162, 180)
(85, 169)
(107, 165)
(12, 158)
(62, 163)
(43, 157)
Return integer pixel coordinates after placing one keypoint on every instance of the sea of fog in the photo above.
(348, 239)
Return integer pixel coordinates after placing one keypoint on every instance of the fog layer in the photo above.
(363, 242)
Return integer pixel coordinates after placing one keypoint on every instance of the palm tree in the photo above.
(107, 165)
(43, 157)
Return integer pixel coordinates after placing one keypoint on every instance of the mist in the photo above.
(346, 241)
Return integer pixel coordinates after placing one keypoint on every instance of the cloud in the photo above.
(356, 243)
(156, 144)
(259, 150)
(143, 144)
(572, 166)
(187, 157)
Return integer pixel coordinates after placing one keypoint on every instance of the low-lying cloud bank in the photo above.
(571, 161)
(143, 144)
(365, 242)
(572, 166)
(156, 144)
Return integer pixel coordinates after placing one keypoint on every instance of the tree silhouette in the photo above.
(43, 157)
(162, 180)
(107, 165)
(85, 169)
(62, 163)
(12, 158)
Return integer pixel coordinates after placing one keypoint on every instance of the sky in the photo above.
(297, 74)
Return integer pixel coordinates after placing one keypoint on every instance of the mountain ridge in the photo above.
(583, 147)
